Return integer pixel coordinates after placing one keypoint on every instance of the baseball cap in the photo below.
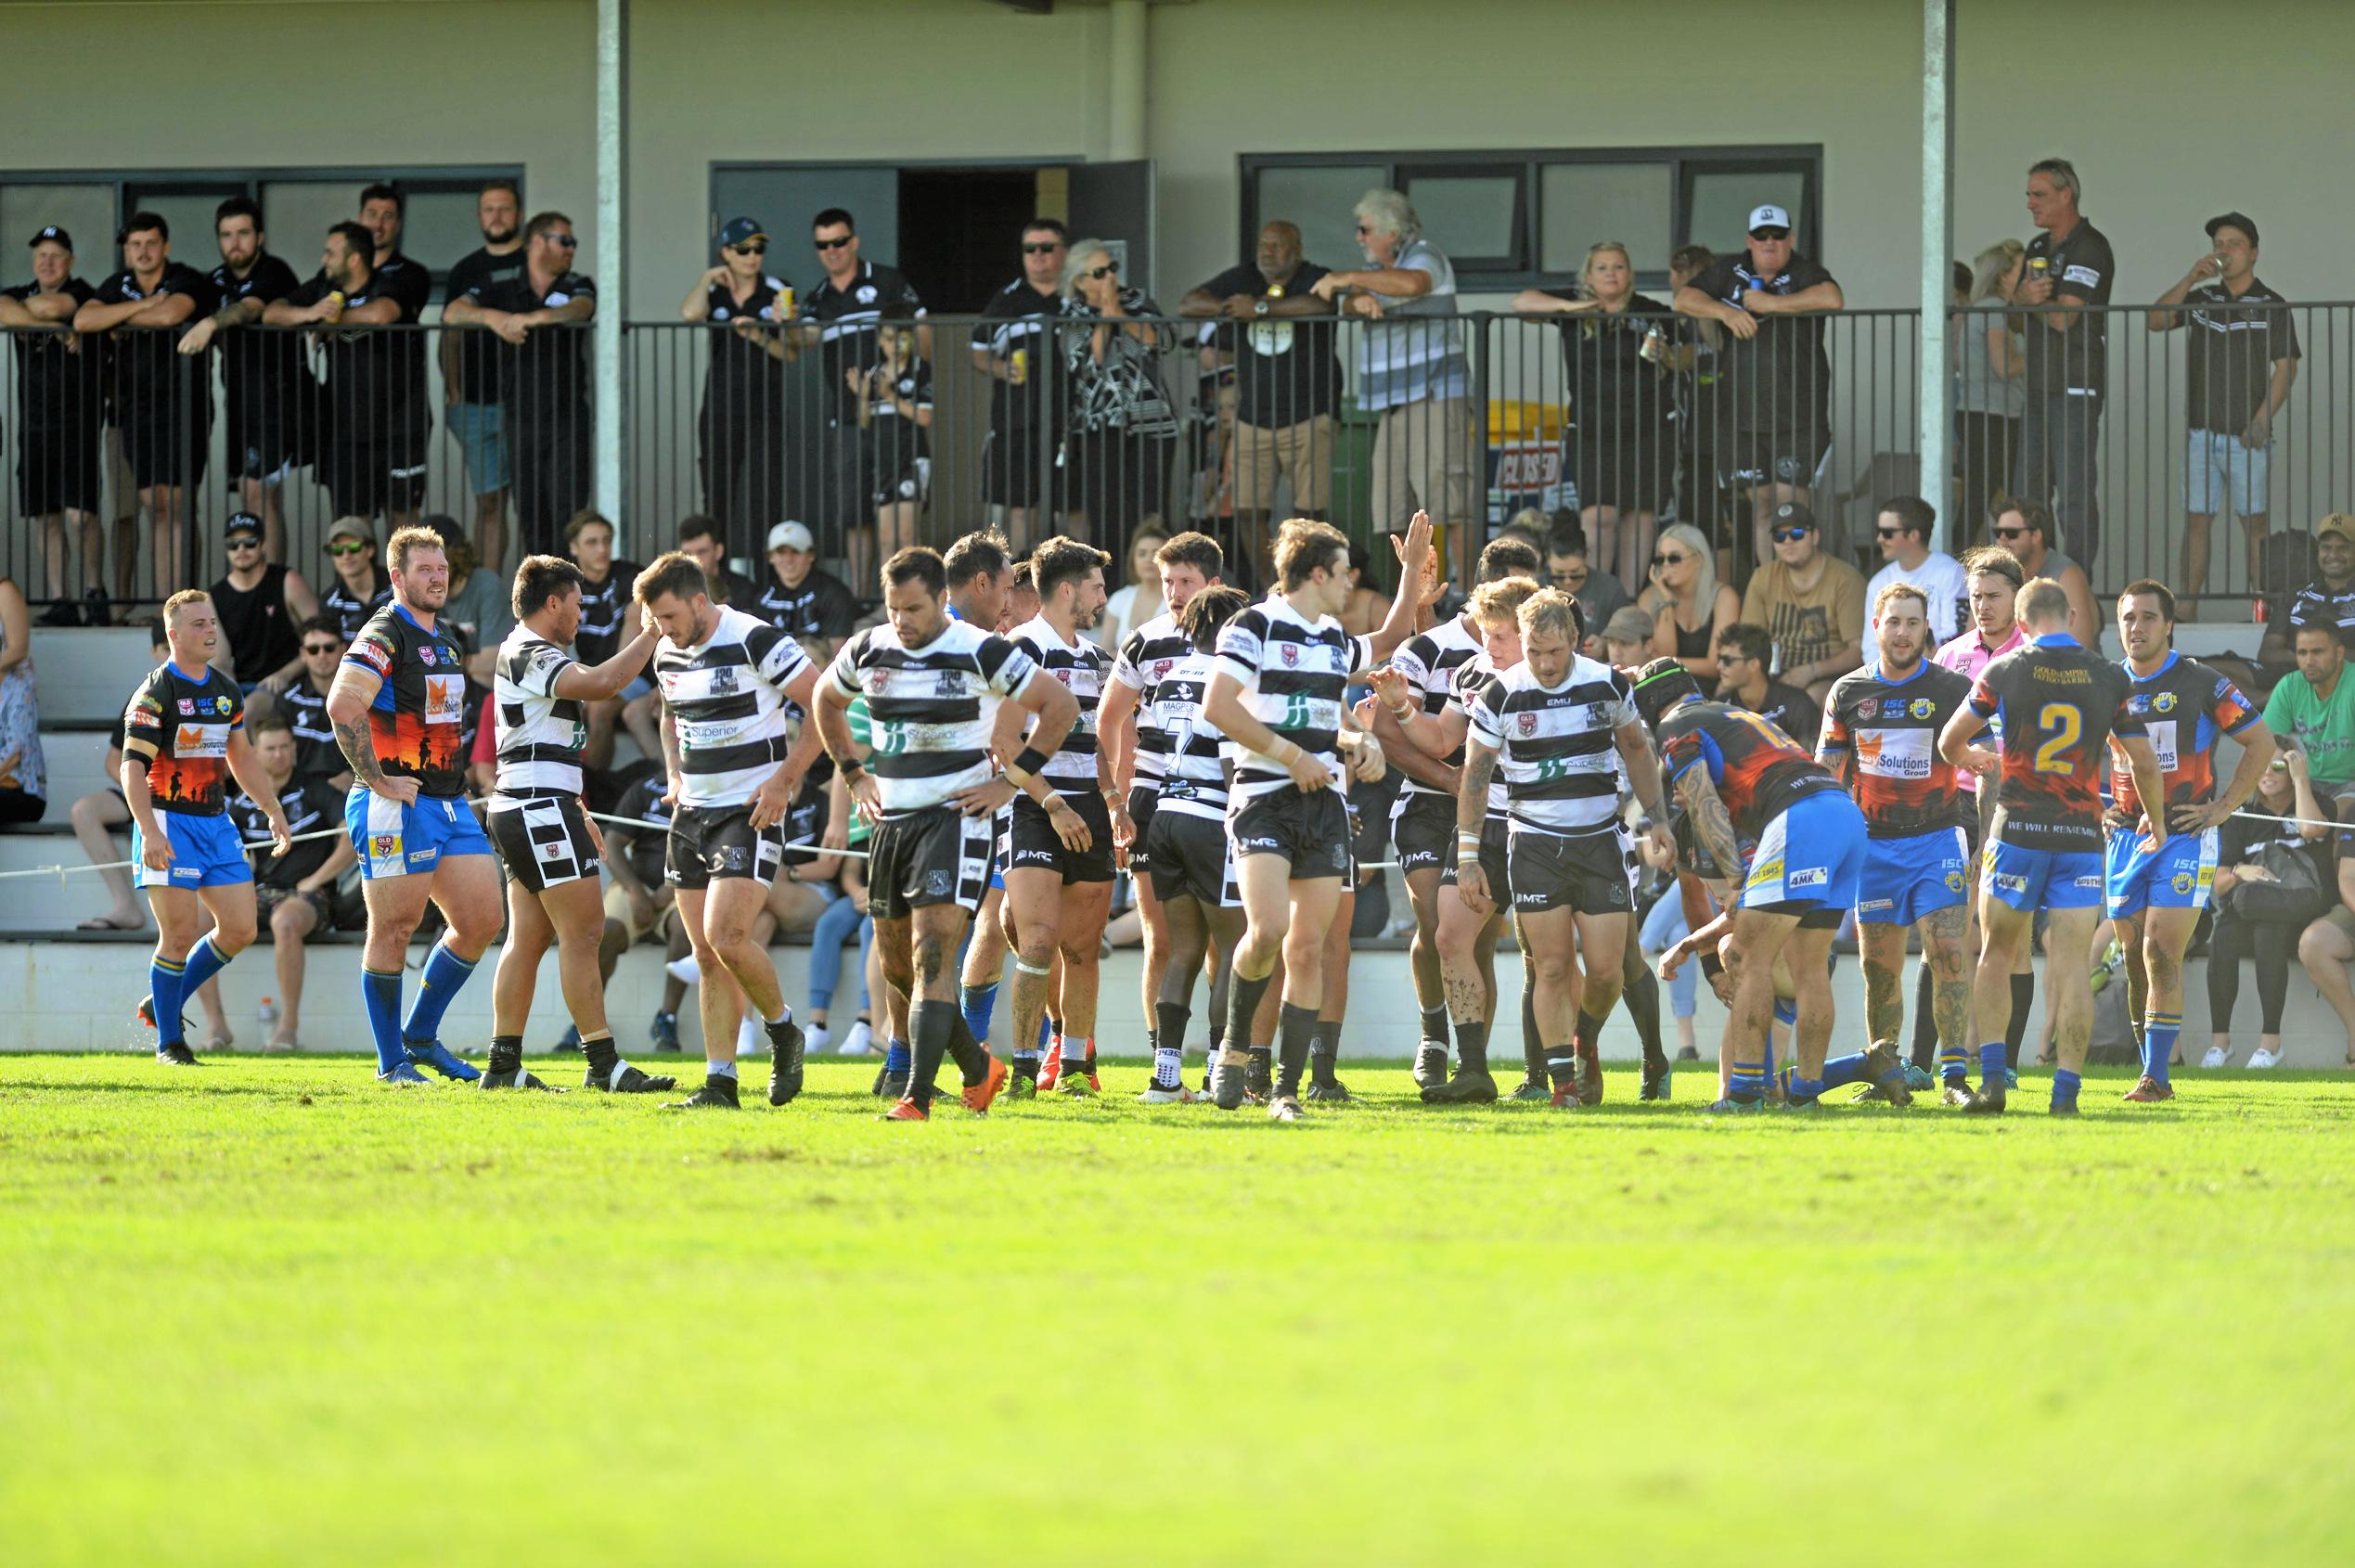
(1768, 216)
(1791, 514)
(792, 536)
(241, 523)
(2340, 523)
(1628, 625)
(54, 233)
(736, 231)
(2235, 220)
(352, 528)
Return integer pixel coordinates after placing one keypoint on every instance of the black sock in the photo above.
(1589, 1033)
(970, 1055)
(506, 1054)
(1217, 1035)
(1295, 1027)
(1324, 1050)
(781, 1052)
(1027, 1067)
(2023, 998)
(1243, 995)
(1640, 991)
(1434, 1024)
(601, 1054)
(931, 1023)
(1533, 1049)
(1263, 1064)
(1472, 1046)
(1925, 1023)
(1171, 1020)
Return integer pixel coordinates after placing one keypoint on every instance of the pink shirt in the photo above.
(1966, 656)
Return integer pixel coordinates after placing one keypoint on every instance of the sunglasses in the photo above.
(831, 244)
(321, 647)
(2011, 533)
(1047, 250)
(1107, 270)
(244, 542)
(759, 249)
(1785, 536)
(352, 549)
(1888, 532)
(1769, 234)
(1574, 573)
(562, 241)
(1662, 558)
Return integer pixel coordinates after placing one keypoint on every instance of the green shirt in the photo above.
(2323, 729)
(861, 733)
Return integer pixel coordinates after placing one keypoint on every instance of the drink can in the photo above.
(1021, 362)
(1655, 342)
(782, 309)
(1275, 290)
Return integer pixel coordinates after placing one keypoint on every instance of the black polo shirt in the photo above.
(259, 366)
(821, 605)
(410, 286)
(2077, 360)
(480, 376)
(57, 378)
(2235, 343)
(1612, 387)
(2319, 604)
(1789, 710)
(604, 606)
(148, 366)
(1285, 368)
(1017, 317)
(1780, 379)
(845, 318)
(744, 370)
(316, 754)
(376, 386)
(350, 613)
(547, 375)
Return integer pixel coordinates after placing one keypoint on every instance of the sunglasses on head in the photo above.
(1035, 249)
(320, 646)
(1785, 536)
(831, 244)
(758, 248)
(349, 548)
(1107, 270)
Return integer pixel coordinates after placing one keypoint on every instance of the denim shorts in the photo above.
(2216, 467)
(481, 429)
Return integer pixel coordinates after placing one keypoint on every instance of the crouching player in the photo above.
(1743, 781)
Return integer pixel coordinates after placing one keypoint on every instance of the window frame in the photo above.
(1524, 268)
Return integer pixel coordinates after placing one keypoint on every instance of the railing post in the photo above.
(1936, 400)
(612, 418)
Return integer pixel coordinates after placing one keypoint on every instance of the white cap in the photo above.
(792, 536)
(1768, 216)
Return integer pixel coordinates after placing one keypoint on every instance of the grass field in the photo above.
(267, 1312)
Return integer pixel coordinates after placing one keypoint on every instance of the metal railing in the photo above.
(1633, 421)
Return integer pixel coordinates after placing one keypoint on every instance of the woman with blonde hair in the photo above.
(1618, 450)
(1990, 387)
(1690, 607)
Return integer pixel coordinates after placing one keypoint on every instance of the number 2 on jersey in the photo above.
(2064, 724)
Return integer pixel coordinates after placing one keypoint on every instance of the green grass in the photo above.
(268, 1312)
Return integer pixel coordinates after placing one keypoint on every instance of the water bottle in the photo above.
(267, 1017)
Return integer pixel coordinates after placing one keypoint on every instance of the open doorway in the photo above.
(959, 230)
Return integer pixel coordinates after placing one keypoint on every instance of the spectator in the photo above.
(740, 433)
(1990, 371)
(1117, 455)
(24, 781)
(372, 445)
(97, 815)
(1776, 373)
(260, 605)
(1811, 602)
(1411, 369)
(359, 589)
(605, 606)
(840, 315)
(1619, 449)
(1138, 600)
(1600, 592)
(2265, 931)
(271, 398)
(481, 607)
(2026, 529)
(1743, 653)
(1903, 528)
(545, 371)
(1014, 346)
(294, 895)
(2068, 263)
(894, 432)
(1369, 602)
(639, 901)
(2313, 708)
(473, 380)
(1695, 357)
(2239, 366)
(57, 425)
(2329, 599)
(1627, 638)
(699, 536)
(810, 604)
(303, 701)
(1288, 384)
(163, 403)
(382, 212)
(1693, 608)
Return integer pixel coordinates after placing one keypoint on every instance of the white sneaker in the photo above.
(687, 972)
(1181, 1095)
(751, 1039)
(2263, 1058)
(2215, 1058)
(814, 1038)
(860, 1041)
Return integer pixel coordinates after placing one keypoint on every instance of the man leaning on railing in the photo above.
(59, 431)
(2068, 264)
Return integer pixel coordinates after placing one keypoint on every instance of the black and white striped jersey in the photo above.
(540, 734)
(1557, 748)
(1146, 659)
(1429, 661)
(1081, 666)
(930, 709)
(726, 698)
(1465, 684)
(1294, 673)
(1193, 780)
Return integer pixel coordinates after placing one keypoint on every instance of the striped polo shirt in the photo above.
(1557, 747)
(1465, 685)
(726, 697)
(1081, 666)
(539, 733)
(1429, 661)
(930, 708)
(1294, 673)
(1152, 652)
(1193, 782)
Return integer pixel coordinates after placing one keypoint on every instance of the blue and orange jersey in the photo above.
(2058, 705)
(1758, 770)
(181, 725)
(2184, 706)
(417, 721)
(1886, 732)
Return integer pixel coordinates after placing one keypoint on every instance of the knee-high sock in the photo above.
(167, 989)
(1641, 995)
(1925, 1022)
(1243, 995)
(970, 1055)
(204, 961)
(382, 994)
(1533, 1049)
(1472, 1048)
(2159, 1031)
(932, 1023)
(1170, 1043)
(979, 1003)
(1295, 1031)
(445, 972)
(2023, 998)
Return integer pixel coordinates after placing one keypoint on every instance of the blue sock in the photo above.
(445, 972)
(2159, 1032)
(1746, 1082)
(899, 1059)
(979, 1003)
(1843, 1070)
(1995, 1059)
(1954, 1064)
(203, 962)
(2064, 1084)
(1787, 1013)
(1802, 1091)
(382, 994)
(167, 989)
(1045, 1030)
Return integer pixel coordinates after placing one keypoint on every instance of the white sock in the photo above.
(1169, 1067)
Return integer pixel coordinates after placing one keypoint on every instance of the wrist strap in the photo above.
(1029, 761)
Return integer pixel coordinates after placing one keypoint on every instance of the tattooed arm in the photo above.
(347, 710)
(1714, 827)
(1471, 817)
